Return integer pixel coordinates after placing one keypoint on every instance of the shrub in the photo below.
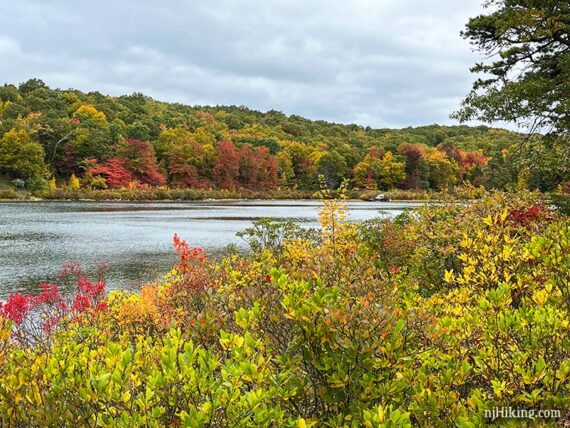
(427, 320)
(19, 183)
(35, 316)
(8, 194)
(562, 204)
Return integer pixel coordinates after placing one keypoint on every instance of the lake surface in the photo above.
(134, 239)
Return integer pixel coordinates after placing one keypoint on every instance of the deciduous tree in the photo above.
(115, 172)
(21, 156)
(226, 168)
(140, 159)
(333, 167)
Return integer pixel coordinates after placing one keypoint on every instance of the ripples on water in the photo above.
(135, 239)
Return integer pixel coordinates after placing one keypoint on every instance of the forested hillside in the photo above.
(54, 138)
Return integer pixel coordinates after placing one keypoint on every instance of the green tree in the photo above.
(303, 168)
(390, 172)
(20, 156)
(333, 167)
(527, 77)
(31, 85)
(443, 172)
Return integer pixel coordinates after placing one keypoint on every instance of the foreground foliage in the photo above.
(425, 320)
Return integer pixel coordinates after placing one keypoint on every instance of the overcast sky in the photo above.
(383, 63)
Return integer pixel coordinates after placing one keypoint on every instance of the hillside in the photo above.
(133, 140)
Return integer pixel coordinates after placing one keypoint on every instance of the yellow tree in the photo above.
(74, 182)
(21, 156)
(374, 172)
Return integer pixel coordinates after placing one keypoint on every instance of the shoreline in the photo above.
(196, 195)
(167, 201)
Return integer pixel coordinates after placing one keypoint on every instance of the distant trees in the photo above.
(92, 138)
(299, 154)
(254, 169)
(140, 159)
(188, 163)
(134, 163)
(268, 172)
(114, 171)
(226, 168)
(378, 171)
(332, 166)
(416, 170)
(285, 171)
(21, 156)
(136, 141)
(442, 172)
(470, 163)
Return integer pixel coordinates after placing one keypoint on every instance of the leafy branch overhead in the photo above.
(526, 72)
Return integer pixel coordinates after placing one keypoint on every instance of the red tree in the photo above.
(226, 168)
(249, 164)
(140, 159)
(268, 172)
(114, 171)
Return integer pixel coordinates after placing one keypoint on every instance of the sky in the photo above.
(378, 63)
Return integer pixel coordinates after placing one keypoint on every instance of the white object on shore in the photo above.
(382, 197)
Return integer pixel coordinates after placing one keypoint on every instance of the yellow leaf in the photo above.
(239, 341)
(449, 276)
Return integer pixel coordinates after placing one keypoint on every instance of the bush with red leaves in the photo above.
(524, 216)
(188, 256)
(34, 317)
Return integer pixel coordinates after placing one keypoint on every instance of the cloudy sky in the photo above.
(383, 63)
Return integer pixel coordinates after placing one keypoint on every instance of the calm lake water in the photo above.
(134, 239)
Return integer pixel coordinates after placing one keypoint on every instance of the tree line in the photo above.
(67, 137)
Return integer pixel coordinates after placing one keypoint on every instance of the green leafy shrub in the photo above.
(427, 320)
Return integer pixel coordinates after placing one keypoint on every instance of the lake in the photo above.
(134, 239)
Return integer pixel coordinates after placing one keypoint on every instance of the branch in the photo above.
(558, 37)
(61, 140)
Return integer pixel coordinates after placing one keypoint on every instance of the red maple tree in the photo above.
(115, 172)
(226, 168)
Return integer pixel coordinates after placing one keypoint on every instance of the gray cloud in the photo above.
(374, 62)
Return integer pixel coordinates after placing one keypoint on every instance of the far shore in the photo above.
(167, 195)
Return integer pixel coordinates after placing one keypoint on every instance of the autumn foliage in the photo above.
(35, 316)
(140, 159)
(248, 168)
(134, 142)
(114, 171)
(350, 325)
